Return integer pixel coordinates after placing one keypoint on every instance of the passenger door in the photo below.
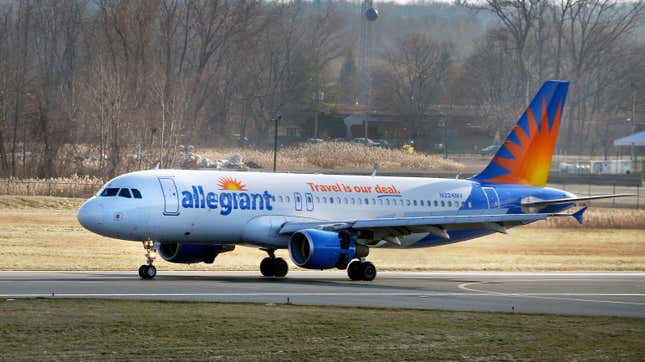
(170, 196)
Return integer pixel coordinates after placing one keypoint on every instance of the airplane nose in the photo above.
(90, 215)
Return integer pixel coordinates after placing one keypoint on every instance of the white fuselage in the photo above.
(249, 207)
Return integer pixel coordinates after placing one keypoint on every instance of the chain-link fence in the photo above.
(80, 187)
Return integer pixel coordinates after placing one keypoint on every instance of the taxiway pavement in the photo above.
(581, 293)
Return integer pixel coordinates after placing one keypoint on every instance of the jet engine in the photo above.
(319, 249)
(190, 253)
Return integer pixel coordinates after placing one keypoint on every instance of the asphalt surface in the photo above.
(613, 294)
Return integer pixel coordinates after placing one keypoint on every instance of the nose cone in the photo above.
(90, 215)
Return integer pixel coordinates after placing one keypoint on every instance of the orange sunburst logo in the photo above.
(532, 157)
(231, 184)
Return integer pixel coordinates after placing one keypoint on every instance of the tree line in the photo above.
(98, 86)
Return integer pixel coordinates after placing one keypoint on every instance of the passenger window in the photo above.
(380, 202)
(346, 201)
(317, 199)
(436, 203)
(331, 200)
(280, 199)
(136, 194)
(415, 202)
(287, 198)
(110, 191)
(443, 203)
(421, 202)
(338, 200)
(428, 203)
(367, 202)
(125, 193)
(449, 203)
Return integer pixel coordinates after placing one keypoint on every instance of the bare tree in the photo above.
(416, 73)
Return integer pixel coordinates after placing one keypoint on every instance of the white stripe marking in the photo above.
(316, 294)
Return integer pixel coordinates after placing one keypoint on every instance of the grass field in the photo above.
(141, 330)
(41, 233)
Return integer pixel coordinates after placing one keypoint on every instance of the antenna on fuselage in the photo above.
(374, 169)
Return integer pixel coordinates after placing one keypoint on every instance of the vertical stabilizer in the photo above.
(525, 156)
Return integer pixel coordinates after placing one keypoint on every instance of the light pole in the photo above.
(275, 142)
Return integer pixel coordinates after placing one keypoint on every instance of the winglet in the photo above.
(579, 214)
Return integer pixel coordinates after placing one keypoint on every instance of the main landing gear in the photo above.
(361, 270)
(148, 271)
(272, 266)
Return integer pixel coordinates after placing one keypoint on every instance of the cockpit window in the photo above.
(110, 191)
(136, 194)
(125, 193)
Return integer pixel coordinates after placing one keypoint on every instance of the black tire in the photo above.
(280, 267)
(267, 267)
(354, 270)
(368, 271)
(151, 272)
(142, 271)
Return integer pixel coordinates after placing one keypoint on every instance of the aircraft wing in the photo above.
(437, 225)
(530, 202)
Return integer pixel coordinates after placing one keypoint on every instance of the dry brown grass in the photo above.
(41, 233)
(331, 155)
(599, 218)
(76, 186)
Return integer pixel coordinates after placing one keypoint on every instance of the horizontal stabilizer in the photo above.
(579, 214)
(569, 200)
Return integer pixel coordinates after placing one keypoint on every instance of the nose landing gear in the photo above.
(148, 271)
(272, 266)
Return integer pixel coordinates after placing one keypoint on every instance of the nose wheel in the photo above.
(272, 266)
(361, 270)
(148, 271)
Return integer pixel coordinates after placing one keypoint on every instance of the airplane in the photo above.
(332, 221)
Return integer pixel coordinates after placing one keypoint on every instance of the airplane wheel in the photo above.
(147, 272)
(354, 270)
(268, 267)
(281, 268)
(151, 272)
(368, 271)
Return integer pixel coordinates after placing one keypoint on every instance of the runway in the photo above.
(612, 294)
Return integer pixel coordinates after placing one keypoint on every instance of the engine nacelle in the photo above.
(319, 249)
(189, 253)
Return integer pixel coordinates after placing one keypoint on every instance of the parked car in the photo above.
(488, 150)
(384, 143)
(314, 140)
(364, 142)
